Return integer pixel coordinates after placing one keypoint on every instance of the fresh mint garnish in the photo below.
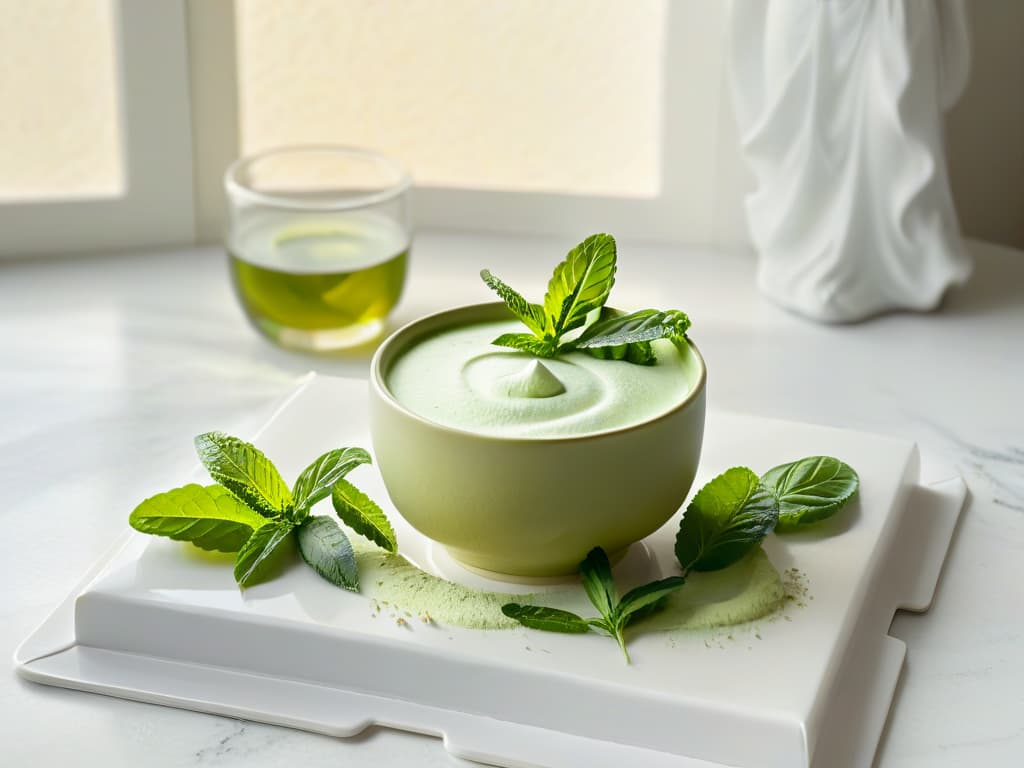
(616, 614)
(210, 517)
(810, 490)
(524, 342)
(579, 286)
(253, 513)
(613, 330)
(532, 315)
(360, 513)
(259, 557)
(725, 520)
(327, 550)
(316, 480)
(244, 470)
(580, 283)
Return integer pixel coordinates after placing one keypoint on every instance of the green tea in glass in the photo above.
(318, 243)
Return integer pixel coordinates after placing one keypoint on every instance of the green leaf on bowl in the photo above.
(243, 469)
(580, 283)
(642, 325)
(725, 520)
(524, 342)
(208, 516)
(360, 513)
(531, 315)
(327, 550)
(636, 352)
(810, 490)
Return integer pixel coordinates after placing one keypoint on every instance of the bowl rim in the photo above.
(387, 348)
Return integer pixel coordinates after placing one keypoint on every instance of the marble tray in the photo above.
(809, 687)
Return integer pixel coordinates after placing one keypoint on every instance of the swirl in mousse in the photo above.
(456, 378)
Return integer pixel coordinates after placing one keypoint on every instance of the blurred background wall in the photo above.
(985, 130)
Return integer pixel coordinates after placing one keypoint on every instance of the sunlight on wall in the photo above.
(60, 135)
(524, 95)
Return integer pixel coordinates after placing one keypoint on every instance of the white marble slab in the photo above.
(110, 364)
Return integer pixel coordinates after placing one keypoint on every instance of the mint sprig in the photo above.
(727, 519)
(579, 286)
(253, 513)
(615, 614)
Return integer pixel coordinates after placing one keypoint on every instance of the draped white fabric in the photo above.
(839, 107)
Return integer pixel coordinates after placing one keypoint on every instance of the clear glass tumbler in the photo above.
(318, 243)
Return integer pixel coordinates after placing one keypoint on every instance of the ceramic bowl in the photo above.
(531, 507)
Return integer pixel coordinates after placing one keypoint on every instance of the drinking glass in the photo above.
(318, 243)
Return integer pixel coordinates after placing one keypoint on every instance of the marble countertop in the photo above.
(112, 363)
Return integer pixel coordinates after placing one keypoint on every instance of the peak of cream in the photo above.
(534, 380)
(457, 378)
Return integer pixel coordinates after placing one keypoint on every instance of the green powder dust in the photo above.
(749, 590)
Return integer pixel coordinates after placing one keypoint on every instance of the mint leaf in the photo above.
(637, 352)
(596, 574)
(642, 325)
(316, 480)
(209, 517)
(526, 343)
(726, 519)
(579, 284)
(646, 598)
(244, 470)
(532, 315)
(327, 550)
(360, 513)
(810, 490)
(548, 619)
(261, 554)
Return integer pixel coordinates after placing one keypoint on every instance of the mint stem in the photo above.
(622, 644)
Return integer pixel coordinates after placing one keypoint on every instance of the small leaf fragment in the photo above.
(259, 558)
(524, 342)
(726, 519)
(243, 469)
(531, 315)
(596, 574)
(327, 550)
(579, 284)
(643, 325)
(548, 619)
(316, 480)
(810, 490)
(360, 513)
(642, 599)
(208, 516)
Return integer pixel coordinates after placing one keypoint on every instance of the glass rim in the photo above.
(235, 187)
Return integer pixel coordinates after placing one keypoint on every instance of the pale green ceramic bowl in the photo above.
(530, 507)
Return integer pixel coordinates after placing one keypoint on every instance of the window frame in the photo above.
(156, 206)
(682, 211)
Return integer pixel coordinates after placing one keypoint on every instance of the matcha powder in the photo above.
(748, 590)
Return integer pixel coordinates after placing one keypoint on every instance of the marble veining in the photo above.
(112, 363)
